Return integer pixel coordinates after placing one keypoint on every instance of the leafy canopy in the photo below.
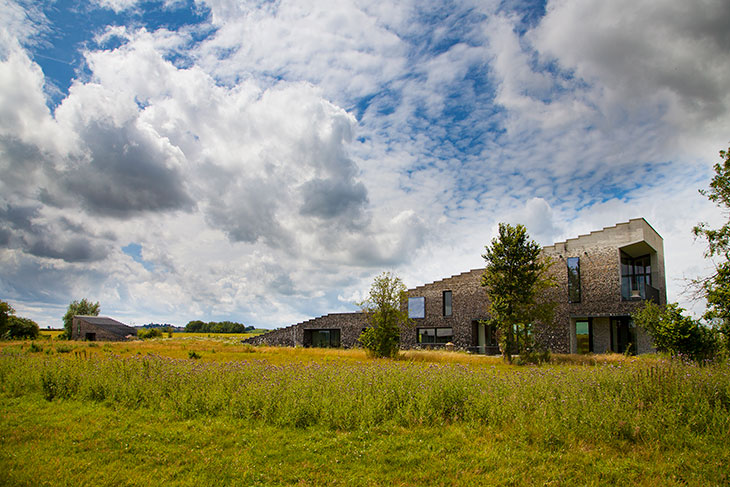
(514, 278)
(78, 308)
(15, 327)
(385, 315)
(716, 288)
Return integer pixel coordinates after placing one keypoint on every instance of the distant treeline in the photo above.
(164, 326)
(198, 326)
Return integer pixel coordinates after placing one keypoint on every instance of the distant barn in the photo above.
(101, 328)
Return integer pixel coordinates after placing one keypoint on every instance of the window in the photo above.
(322, 338)
(584, 336)
(417, 307)
(447, 303)
(574, 279)
(435, 336)
(635, 276)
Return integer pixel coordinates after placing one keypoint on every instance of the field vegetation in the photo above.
(125, 413)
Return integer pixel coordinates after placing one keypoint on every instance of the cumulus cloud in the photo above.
(296, 150)
(664, 59)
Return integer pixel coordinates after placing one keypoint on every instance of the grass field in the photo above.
(141, 412)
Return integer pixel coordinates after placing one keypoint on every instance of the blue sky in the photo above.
(262, 161)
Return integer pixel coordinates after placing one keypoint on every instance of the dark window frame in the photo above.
(435, 330)
(574, 280)
(447, 304)
(635, 276)
(334, 337)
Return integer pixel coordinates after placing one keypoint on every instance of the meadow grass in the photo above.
(336, 417)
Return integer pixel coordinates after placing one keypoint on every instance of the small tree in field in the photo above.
(514, 278)
(78, 308)
(385, 316)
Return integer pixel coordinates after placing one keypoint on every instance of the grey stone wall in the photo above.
(469, 302)
(349, 324)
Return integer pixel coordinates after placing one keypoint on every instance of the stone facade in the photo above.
(349, 324)
(468, 303)
(602, 303)
(601, 299)
(100, 328)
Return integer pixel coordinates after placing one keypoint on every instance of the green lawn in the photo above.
(80, 443)
(316, 417)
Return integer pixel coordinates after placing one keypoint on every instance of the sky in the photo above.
(263, 161)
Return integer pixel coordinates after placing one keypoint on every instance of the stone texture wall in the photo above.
(349, 324)
(468, 303)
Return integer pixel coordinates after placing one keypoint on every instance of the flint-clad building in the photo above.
(601, 278)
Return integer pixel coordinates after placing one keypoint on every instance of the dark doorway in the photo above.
(623, 335)
(91, 337)
(483, 338)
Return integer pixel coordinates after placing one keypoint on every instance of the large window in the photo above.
(447, 303)
(435, 335)
(574, 279)
(635, 276)
(322, 338)
(584, 336)
(417, 307)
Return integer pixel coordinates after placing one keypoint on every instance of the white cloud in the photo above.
(303, 148)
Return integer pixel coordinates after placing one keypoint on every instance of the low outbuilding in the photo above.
(101, 328)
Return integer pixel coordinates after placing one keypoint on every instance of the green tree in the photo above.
(78, 308)
(515, 277)
(385, 316)
(674, 333)
(12, 326)
(22, 328)
(716, 288)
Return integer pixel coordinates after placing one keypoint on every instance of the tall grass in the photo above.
(634, 401)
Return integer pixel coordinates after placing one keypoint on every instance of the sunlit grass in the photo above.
(239, 414)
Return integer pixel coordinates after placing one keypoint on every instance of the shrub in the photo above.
(22, 328)
(675, 333)
(15, 327)
(146, 333)
(537, 355)
(194, 355)
(35, 348)
(63, 348)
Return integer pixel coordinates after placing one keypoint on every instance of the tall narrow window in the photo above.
(584, 336)
(574, 279)
(447, 303)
